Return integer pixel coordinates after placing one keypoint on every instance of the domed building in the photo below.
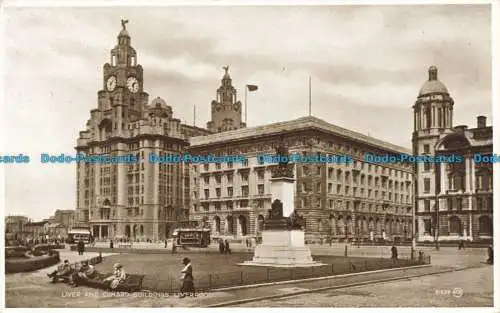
(454, 201)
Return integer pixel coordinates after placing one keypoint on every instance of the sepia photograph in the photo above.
(241, 155)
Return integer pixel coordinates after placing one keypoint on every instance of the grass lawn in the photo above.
(213, 270)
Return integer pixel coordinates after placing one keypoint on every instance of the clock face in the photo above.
(133, 84)
(111, 83)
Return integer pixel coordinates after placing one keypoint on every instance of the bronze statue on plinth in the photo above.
(275, 219)
(296, 221)
(283, 169)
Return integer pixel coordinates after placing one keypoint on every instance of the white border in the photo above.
(2, 146)
(495, 50)
(495, 33)
(110, 3)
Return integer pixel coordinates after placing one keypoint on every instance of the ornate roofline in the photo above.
(308, 122)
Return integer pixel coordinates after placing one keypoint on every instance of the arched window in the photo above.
(229, 225)
(485, 226)
(428, 117)
(242, 225)
(440, 117)
(260, 223)
(217, 224)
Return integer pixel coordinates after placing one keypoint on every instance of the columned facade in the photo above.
(454, 199)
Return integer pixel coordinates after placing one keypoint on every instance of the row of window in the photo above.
(229, 205)
(230, 193)
(305, 170)
(456, 181)
(229, 177)
(482, 203)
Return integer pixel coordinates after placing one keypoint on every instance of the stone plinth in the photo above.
(282, 189)
(282, 248)
(286, 238)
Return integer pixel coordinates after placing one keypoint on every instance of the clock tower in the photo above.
(123, 84)
(226, 110)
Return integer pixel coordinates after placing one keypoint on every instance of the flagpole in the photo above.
(246, 91)
(309, 95)
(194, 115)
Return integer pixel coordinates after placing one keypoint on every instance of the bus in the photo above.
(77, 234)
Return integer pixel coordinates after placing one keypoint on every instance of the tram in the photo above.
(190, 235)
(77, 234)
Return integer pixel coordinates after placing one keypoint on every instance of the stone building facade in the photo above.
(36, 230)
(454, 200)
(65, 217)
(142, 200)
(15, 227)
(357, 200)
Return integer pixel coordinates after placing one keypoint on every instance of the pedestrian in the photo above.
(421, 257)
(226, 248)
(490, 254)
(80, 247)
(394, 253)
(461, 245)
(111, 244)
(187, 288)
(221, 246)
(174, 247)
(165, 243)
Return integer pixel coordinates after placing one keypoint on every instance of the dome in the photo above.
(158, 103)
(123, 33)
(433, 85)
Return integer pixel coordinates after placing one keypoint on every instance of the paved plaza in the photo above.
(34, 289)
(468, 288)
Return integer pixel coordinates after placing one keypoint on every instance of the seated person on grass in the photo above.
(117, 278)
(64, 271)
(86, 271)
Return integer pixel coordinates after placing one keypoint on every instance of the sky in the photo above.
(366, 63)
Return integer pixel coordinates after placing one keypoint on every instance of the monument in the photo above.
(283, 235)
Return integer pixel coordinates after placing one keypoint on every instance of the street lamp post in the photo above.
(346, 239)
(436, 224)
(330, 236)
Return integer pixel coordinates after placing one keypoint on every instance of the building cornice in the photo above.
(300, 124)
